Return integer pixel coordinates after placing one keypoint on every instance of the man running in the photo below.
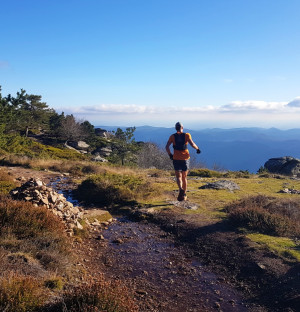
(181, 157)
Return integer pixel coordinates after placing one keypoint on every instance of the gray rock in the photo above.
(101, 132)
(79, 145)
(99, 158)
(103, 151)
(221, 185)
(39, 194)
(284, 165)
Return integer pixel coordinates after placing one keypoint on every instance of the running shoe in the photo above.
(180, 195)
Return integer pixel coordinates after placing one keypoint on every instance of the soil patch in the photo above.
(163, 275)
(265, 279)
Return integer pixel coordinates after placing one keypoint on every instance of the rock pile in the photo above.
(36, 191)
(221, 185)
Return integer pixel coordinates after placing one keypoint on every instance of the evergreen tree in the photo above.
(124, 146)
(26, 112)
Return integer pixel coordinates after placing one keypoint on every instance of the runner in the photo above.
(181, 157)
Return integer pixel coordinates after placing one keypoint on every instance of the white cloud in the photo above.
(113, 108)
(233, 107)
(254, 105)
(236, 113)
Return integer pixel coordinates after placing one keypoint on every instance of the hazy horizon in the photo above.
(196, 129)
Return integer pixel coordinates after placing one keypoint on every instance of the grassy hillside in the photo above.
(15, 145)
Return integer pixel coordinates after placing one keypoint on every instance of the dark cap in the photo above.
(178, 125)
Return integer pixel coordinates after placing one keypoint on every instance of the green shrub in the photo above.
(237, 174)
(205, 173)
(267, 215)
(111, 188)
(6, 182)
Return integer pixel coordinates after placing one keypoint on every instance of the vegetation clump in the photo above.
(267, 215)
(33, 231)
(114, 189)
(6, 182)
(98, 296)
(19, 293)
(206, 173)
(14, 144)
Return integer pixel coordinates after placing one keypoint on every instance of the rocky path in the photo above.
(163, 276)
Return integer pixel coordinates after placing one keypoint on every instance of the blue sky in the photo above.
(225, 63)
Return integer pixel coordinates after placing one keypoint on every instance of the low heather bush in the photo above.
(20, 293)
(34, 230)
(267, 215)
(101, 296)
(26, 220)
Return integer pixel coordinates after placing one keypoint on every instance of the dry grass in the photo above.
(75, 167)
(4, 176)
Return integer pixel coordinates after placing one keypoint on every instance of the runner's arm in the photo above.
(193, 144)
(168, 146)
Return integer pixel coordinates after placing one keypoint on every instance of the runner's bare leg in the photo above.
(184, 180)
(179, 178)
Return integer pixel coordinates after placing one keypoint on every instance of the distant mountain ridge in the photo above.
(232, 149)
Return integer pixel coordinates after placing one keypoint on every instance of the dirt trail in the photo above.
(163, 275)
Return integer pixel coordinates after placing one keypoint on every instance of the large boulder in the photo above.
(103, 151)
(79, 145)
(99, 158)
(284, 165)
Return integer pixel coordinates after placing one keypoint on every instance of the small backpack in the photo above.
(180, 144)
